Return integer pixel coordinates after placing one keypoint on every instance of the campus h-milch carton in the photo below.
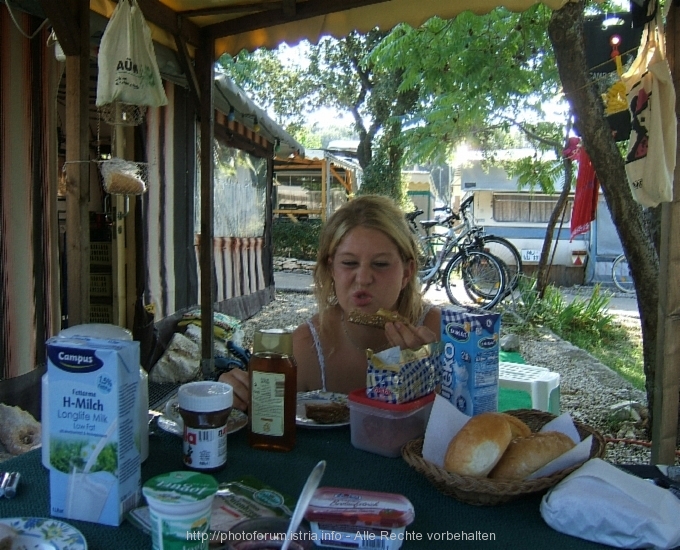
(94, 448)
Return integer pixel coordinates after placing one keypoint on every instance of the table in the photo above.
(516, 524)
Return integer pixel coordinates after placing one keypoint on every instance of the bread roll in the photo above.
(517, 427)
(525, 455)
(378, 319)
(7, 536)
(478, 446)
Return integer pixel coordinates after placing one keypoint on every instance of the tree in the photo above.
(338, 74)
(347, 78)
(634, 225)
(279, 88)
(474, 77)
(479, 79)
(476, 74)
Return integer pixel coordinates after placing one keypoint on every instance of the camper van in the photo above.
(522, 216)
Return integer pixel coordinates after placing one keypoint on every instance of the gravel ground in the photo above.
(588, 388)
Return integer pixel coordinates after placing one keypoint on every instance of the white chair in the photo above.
(540, 383)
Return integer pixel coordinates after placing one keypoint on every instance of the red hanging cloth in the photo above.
(587, 189)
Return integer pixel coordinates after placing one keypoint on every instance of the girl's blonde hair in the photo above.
(373, 212)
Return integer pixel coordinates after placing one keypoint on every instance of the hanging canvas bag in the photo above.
(128, 72)
(650, 161)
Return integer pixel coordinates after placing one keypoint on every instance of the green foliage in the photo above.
(585, 323)
(296, 240)
(474, 75)
(275, 86)
(70, 454)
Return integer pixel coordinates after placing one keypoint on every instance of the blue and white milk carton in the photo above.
(469, 360)
(94, 460)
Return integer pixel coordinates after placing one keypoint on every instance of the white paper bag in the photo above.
(128, 72)
(601, 503)
(650, 161)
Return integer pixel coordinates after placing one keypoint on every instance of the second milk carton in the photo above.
(469, 360)
(94, 460)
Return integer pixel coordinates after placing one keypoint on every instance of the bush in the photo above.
(296, 240)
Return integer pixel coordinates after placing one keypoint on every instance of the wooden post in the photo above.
(667, 377)
(205, 67)
(78, 173)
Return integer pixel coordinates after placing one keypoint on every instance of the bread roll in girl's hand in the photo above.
(377, 319)
(479, 445)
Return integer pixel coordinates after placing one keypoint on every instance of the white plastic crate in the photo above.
(540, 383)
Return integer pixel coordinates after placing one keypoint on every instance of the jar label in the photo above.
(205, 449)
(267, 402)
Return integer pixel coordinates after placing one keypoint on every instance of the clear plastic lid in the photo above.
(359, 396)
(356, 507)
(96, 330)
(205, 396)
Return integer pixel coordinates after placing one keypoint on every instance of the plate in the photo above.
(45, 534)
(317, 397)
(172, 421)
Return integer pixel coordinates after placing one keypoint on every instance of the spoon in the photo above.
(303, 501)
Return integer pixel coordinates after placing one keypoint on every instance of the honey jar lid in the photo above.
(273, 340)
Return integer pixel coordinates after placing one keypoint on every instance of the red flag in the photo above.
(587, 189)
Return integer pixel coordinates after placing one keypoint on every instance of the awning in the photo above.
(249, 24)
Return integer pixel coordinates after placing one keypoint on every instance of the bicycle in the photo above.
(500, 247)
(474, 236)
(621, 274)
(471, 277)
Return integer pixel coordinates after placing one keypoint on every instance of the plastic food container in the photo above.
(384, 428)
(352, 518)
(180, 506)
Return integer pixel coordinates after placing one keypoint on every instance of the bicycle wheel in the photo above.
(505, 251)
(474, 278)
(621, 275)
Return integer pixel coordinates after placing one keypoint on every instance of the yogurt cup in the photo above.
(179, 506)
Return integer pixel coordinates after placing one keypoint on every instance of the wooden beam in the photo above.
(304, 10)
(205, 68)
(665, 434)
(289, 9)
(78, 171)
(64, 18)
(233, 8)
(238, 141)
(185, 62)
(166, 18)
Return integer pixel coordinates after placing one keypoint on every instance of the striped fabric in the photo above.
(29, 302)
(171, 241)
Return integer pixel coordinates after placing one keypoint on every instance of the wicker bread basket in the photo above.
(489, 492)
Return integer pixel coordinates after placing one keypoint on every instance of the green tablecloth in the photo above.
(516, 524)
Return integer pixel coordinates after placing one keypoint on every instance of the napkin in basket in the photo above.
(446, 420)
(601, 503)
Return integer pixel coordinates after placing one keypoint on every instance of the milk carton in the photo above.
(94, 459)
(469, 360)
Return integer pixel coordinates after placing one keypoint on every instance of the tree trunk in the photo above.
(566, 35)
(543, 272)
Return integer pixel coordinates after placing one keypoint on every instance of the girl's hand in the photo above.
(238, 379)
(407, 336)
